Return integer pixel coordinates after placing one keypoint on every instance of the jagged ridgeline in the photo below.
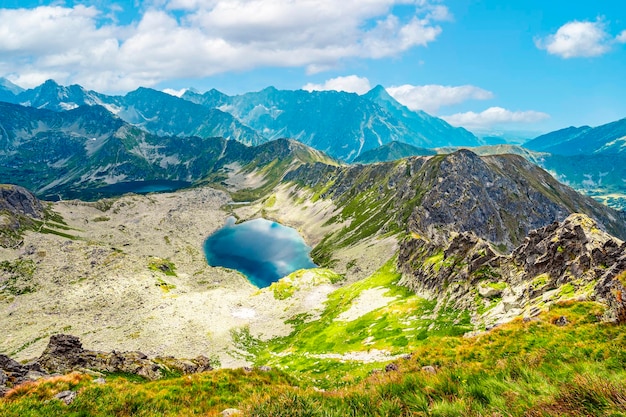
(341, 124)
(499, 198)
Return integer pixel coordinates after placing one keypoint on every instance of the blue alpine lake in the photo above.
(262, 250)
(118, 189)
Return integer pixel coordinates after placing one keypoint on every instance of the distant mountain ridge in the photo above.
(343, 125)
(609, 138)
(391, 152)
(8, 90)
(154, 111)
(84, 149)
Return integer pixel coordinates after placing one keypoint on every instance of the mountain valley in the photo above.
(439, 268)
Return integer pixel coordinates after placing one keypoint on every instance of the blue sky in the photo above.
(486, 65)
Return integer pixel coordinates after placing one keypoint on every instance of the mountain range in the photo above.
(606, 139)
(75, 153)
(343, 125)
(447, 284)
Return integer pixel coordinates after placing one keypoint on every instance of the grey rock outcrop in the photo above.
(18, 210)
(19, 201)
(65, 354)
(67, 397)
(13, 373)
(572, 259)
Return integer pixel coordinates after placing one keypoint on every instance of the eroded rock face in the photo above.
(611, 289)
(572, 259)
(574, 248)
(65, 354)
(19, 201)
(18, 210)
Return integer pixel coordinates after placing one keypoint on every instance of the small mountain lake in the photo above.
(121, 188)
(262, 250)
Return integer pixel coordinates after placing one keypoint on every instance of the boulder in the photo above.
(391, 367)
(429, 369)
(63, 354)
(488, 292)
(67, 397)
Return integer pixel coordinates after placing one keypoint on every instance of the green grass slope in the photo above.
(532, 368)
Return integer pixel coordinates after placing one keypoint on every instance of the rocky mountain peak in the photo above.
(469, 193)
(9, 86)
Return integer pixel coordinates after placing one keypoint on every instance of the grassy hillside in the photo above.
(524, 368)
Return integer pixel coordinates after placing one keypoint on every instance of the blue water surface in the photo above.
(118, 189)
(262, 250)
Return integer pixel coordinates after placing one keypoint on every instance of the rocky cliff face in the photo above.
(18, 210)
(569, 260)
(18, 201)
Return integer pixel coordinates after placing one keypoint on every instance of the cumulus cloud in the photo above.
(431, 97)
(350, 84)
(494, 116)
(199, 38)
(580, 39)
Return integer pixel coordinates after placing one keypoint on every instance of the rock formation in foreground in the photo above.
(569, 260)
(65, 354)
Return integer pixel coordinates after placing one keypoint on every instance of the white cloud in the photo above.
(431, 97)
(621, 38)
(199, 38)
(579, 39)
(175, 93)
(350, 84)
(494, 116)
